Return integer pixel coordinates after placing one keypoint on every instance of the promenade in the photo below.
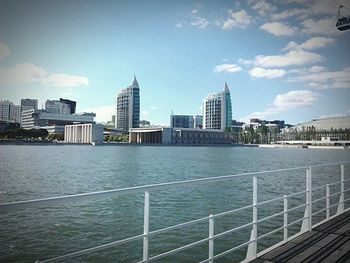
(329, 242)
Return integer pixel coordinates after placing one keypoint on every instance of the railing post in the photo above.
(306, 225)
(211, 239)
(146, 228)
(252, 247)
(310, 198)
(285, 218)
(341, 198)
(327, 201)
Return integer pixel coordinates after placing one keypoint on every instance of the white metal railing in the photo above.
(252, 244)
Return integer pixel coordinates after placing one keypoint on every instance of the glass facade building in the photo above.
(128, 107)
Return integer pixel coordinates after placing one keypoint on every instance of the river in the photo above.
(34, 171)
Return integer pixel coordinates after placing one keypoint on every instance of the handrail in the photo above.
(139, 189)
(252, 243)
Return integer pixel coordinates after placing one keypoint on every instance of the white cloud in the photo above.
(232, 68)
(317, 69)
(279, 29)
(200, 22)
(264, 8)
(64, 80)
(292, 58)
(103, 113)
(287, 101)
(288, 13)
(194, 11)
(267, 73)
(239, 19)
(295, 99)
(178, 25)
(312, 43)
(324, 26)
(24, 72)
(4, 50)
(27, 72)
(320, 78)
(245, 61)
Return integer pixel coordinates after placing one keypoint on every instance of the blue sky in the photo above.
(281, 59)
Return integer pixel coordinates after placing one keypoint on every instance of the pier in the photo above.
(324, 224)
(328, 242)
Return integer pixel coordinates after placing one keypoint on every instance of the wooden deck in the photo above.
(329, 242)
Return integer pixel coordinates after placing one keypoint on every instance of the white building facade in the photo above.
(10, 112)
(128, 107)
(217, 111)
(83, 133)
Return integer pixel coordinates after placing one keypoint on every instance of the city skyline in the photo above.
(281, 59)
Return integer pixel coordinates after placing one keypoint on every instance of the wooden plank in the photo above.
(284, 250)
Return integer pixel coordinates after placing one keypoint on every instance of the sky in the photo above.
(281, 59)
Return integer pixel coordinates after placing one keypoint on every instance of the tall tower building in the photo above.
(217, 110)
(29, 104)
(128, 107)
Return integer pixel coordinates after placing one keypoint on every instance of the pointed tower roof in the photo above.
(226, 88)
(135, 83)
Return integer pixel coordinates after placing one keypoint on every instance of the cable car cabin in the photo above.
(343, 23)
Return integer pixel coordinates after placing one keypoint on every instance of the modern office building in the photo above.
(177, 136)
(29, 104)
(72, 104)
(57, 107)
(217, 110)
(186, 121)
(10, 112)
(128, 107)
(181, 121)
(32, 119)
(83, 133)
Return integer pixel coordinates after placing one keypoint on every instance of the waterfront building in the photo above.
(145, 123)
(72, 104)
(217, 110)
(128, 107)
(324, 124)
(40, 118)
(29, 104)
(10, 112)
(83, 133)
(198, 121)
(177, 136)
(57, 107)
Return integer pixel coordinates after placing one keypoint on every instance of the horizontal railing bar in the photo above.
(270, 201)
(297, 221)
(321, 187)
(330, 184)
(156, 232)
(296, 207)
(93, 249)
(337, 193)
(297, 193)
(139, 189)
(271, 232)
(345, 200)
(232, 211)
(136, 189)
(319, 199)
(271, 216)
(319, 211)
(178, 249)
(326, 164)
(233, 249)
(232, 230)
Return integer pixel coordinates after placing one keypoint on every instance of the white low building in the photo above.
(83, 133)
